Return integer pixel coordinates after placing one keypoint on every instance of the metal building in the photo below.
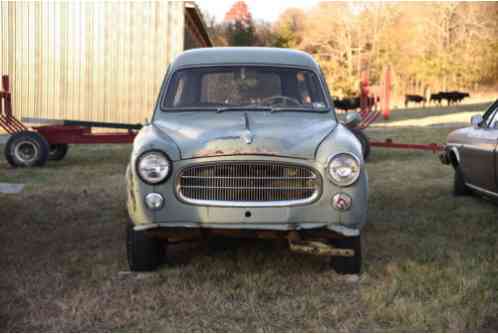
(101, 61)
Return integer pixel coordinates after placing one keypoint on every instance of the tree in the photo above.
(239, 25)
(431, 47)
(289, 27)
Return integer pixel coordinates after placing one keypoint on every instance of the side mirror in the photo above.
(476, 121)
(352, 120)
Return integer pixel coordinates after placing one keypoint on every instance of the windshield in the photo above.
(244, 86)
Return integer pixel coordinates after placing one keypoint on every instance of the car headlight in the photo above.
(344, 169)
(153, 167)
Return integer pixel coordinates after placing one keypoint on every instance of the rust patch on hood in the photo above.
(239, 151)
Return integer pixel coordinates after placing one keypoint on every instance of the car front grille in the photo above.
(248, 183)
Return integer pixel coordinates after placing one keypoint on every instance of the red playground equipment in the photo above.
(33, 147)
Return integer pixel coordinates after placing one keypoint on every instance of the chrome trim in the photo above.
(344, 230)
(331, 157)
(143, 227)
(153, 194)
(246, 204)
(142, 155)
(290, 226)
(479, 189)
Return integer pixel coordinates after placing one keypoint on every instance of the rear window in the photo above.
(239, 86)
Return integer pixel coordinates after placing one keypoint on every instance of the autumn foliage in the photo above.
(429, 46)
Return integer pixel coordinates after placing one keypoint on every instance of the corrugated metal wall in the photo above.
(101, 61)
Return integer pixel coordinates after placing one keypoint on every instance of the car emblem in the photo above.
(247, 137)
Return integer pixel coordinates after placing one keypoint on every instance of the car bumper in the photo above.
(337, 228)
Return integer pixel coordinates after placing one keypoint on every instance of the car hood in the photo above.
(208, 134)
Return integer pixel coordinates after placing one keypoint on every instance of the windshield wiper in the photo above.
(248, 107)
(269, 108)
(277, 109)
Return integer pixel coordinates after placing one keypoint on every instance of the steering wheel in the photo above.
(282, 98)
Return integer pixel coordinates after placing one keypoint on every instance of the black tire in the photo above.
(57, 152)
(26, 149)
(347, 265)
(365, 142)
(144, 254)
(459, 187)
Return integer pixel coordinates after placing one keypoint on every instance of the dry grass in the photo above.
(431, 259)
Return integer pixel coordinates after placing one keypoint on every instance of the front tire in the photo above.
(26, 149)
(459, 186)
(144, 254)
(347, 264)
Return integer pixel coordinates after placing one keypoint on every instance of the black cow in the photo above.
(457, 97)
(436, 98)
(416, 99)
(353, 103)
(453, 97)
(347, 103)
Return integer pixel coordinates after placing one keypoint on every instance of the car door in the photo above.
(479, 153)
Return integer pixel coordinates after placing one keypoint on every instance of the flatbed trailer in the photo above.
(34, 146)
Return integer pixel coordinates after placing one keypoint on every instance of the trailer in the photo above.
(34, 146)
(370, 112)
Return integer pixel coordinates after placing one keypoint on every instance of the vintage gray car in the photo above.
(472, 151)
(245, 142)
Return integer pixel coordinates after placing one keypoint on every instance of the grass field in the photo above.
(431, 260)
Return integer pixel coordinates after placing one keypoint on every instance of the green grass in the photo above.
(431, 259)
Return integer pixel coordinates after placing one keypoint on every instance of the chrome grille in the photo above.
(248, 183)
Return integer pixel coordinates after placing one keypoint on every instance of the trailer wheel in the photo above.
(57, 152)
(365, 142)
(26, 149)
(347, 265)
(144, 254)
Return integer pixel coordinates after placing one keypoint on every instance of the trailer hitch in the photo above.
(318, 248)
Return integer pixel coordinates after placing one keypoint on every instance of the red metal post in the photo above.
(386, 93)
(7, 121)
(364, 105)
(5, 83)
(8, 102)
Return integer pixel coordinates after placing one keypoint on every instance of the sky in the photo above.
(267, 10)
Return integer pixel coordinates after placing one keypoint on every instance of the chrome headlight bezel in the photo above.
(343, 182)
(158, 154)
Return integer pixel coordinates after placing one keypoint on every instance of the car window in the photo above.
(229, 88)
(214, 87)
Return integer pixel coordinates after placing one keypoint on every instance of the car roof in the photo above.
(244, 55)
